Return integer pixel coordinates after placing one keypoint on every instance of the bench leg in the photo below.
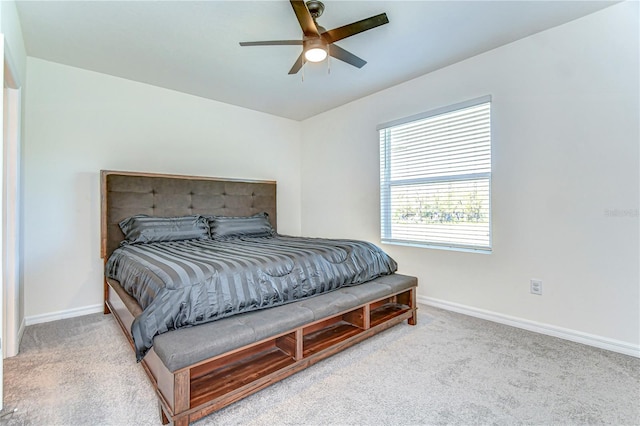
(182, 421)
(413, 320)
(163, 417)
(414, 305)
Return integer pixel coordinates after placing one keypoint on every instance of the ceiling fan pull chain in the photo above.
(329, 59)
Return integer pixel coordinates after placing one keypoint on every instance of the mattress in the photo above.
(185, 283)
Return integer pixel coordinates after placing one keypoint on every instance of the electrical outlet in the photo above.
(536, 287)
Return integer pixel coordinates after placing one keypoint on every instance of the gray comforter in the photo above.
(185, 283)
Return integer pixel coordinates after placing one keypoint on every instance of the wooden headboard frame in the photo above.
(125, 194)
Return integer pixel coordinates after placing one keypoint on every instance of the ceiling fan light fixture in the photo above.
(315, 54)
(315, 50)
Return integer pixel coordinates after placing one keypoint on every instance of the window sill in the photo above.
(481, 250)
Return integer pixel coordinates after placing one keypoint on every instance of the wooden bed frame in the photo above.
(192, 392)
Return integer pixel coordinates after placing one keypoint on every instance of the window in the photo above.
(435, 178)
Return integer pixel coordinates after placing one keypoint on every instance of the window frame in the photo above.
(386, 183)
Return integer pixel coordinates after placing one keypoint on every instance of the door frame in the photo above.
(10, 206)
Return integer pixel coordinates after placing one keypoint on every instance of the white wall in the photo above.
(79, 122)
(565, 151)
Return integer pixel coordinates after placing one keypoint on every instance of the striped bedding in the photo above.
(183, 283)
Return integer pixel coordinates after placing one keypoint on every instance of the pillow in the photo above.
(225, 227)
(150, 229)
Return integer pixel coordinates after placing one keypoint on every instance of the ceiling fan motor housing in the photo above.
(315, 8)
(314, 43)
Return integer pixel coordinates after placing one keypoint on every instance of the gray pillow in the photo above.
(225, 227)
(149, 229)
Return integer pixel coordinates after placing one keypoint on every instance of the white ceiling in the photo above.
(192, 46)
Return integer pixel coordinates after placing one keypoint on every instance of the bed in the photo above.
(200, 365)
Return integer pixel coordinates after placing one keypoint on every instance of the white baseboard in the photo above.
(69, 313)
(550, 330)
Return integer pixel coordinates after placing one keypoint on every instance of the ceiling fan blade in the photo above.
(340, 33)
(299, 63)
(345, 56)
(272, 43)
(304, 18)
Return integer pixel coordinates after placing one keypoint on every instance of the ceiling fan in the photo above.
(316, 41)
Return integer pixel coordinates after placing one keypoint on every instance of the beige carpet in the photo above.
(450, 369)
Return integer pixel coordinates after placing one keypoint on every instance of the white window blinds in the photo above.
(435, 178)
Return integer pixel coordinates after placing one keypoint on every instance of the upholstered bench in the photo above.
(180, 348)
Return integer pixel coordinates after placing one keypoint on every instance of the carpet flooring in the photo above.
(450, 369)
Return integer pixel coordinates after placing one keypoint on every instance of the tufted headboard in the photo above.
(125, 194)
